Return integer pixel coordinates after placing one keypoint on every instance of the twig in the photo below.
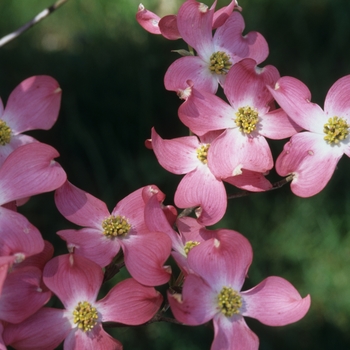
(43, 14)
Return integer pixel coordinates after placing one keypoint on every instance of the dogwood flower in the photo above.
(76, 281)
(312, 156)
(33, 104)
(213, 292)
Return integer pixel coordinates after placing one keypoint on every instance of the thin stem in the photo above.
(43, 14)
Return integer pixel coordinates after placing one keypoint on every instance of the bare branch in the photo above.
(43, 14)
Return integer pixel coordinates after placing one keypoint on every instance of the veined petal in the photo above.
(21, 294)
(275, 302)
(148, 20)
(245, 85)
(201, 188)
(33, 104)
(80, 207)
(311, 160)
(276, 125)
(178, 155)
(18, 235)
(96, 339)
(221, 15)
(222, 261)
(233, 334)
(250, 181)
(196, 305)
(232, 151)
(295, 98)
(168, 27)
(91, 244)
(194, 21)
(145, 255)
(337, 100)
(203, 112)
(73, 278)
(190, 68)
(130, 303)
(44, 330)
(30, 170)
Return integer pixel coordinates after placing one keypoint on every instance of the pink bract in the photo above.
(194, 22)
(308, 156)
(219, 267)
(33, 104)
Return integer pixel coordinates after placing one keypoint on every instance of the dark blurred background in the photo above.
(111, 73)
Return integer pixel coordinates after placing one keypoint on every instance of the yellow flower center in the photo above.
(202, 153)
(246, 120)
(229, 301)
(220, 63)
(115, 226)
(5, 133)
(85, 316)
(336, 130)
(189, 245)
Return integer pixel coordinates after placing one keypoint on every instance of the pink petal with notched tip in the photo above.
(203, 112)
(168, 27)
(73, 278)
(232, 151)
(201, 188)
(18, 235)
(311, 160)
(190, 68)
(44, 330)
(245, 85)
(178, 155)
(96, 339)
(197, 305)
(294, 97)
(276, 125)
(92, 244)
(30, 170)
(130, 303)
(275, 302)
(80, 207)
(148, 20)
(33, 104)
(145, 255)
(21, 295)
(221, 15)
(194, 21)
(230, 253)
(337, 101)
(233, 333)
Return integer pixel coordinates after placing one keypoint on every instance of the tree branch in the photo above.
(43, 14)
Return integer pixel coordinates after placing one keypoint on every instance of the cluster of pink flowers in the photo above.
(228, 144)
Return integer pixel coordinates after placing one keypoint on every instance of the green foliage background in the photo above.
(111, 72)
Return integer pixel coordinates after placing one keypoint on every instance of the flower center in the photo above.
(202, 153)
(189, 245)
(220, 63)
(336, 130)
(85, 316)
(115, 226)
(5, 133)
(246, 120)
(229, 301)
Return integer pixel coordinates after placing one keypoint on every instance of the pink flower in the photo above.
(247, 120)
(104, 233)
(216, 54)
(33, 104)
(213, 292)
(312, 156)
(76, 281)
